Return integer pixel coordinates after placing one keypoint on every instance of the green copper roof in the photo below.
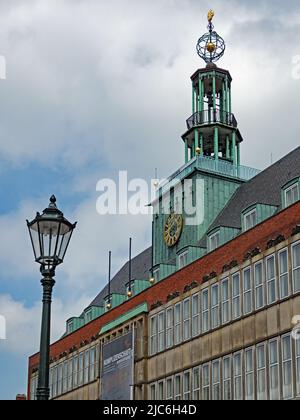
(124, 318)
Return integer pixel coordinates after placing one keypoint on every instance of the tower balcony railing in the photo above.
(209, 164)
(211, 116)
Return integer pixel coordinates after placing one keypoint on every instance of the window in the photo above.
(214, 241)
(169, 334)
(153, 335)
(70, 327)
(296, 267)
(86, 366)
(249, 374)
(196, 384)
(89, 316)
(287, 375)
(54, 382)
(70, 375)
(237, 375)
(195, 315)
(259, 285)
(97, 367)
(33, 388)
(153, 392)
(284, 286)
(261, 372)
(59, 379)
(215, 319)
(177, 388)
(187, 386)
(169, 390)
(227, 379)
(177, 324)
(291, 195)
(205, 310)
(160, 390)
(225, 301)
(274, 370)
(156, 274)
(186, 320)
(183, 259)
(250, 220)
(92, 364)
(75, 372)
(271, 280)
(216, 381)
(236, 296)
(161, 331)
(248, 306)
(80, 369)
(206, 382)
(298, 365)
(65, 377)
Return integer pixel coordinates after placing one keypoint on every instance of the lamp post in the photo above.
(50, 235)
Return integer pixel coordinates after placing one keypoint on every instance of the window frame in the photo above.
(248, 291)
(169, 327)
(249, 215)
(196, 318)
(225, 302)
(283, 363)
(263, 368)
(205, 310)
(214, 241)
(227, 380)
(285, 273)
(178, 324)
(272, 280)
(289, 189)
(259, 287)
(295, 268)
(183, 257)
(215, 307)
(249, 373)
(236, 297)
(275, 365)
(186, 321)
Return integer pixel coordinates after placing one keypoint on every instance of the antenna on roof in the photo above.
(109, 306)
(129, 293)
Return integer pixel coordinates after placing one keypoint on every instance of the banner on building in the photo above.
(117, 369)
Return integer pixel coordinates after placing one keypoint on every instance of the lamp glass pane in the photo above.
(33, 230)
(64, 244)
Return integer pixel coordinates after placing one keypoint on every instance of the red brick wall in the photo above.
(280, 224)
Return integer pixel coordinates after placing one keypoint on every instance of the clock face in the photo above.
(173, 229)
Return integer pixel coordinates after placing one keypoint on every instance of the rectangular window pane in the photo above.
(170, 322)
(169, 390)
(237, 374)
(226, 310)
(187, 386)
(153, 392)
(274, 370)
(287, 375)
(195, 315)
(259, 286)
(186, 320)
(271, 280)
(92, 364)
(75, 372)
(196, 384)
(161, 391)
(215, 318)
(283, 274)
(59, 380)
(206, 382)
(216, 381)
(261, 372)
(161, 331)
(70, 375)
(247, 283)
(236, 296)
(227, 393)
(249, 374)
(177, 387)
(177, 324)
(205, 310)
(86, 366)
(80, 369)
(153, 335)
(296, 267)
(298, 366)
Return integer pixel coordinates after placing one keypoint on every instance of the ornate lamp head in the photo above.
(211, 47)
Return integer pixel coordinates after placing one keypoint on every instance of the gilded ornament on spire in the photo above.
(210, 15)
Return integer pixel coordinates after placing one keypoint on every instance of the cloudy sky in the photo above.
(98, 86)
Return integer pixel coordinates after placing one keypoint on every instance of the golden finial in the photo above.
(210, 15)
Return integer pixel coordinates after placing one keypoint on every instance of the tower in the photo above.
(212, 129)
(212, 160)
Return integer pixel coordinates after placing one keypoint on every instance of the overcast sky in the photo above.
(98, 86)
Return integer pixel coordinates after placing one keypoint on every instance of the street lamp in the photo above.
(50, 235)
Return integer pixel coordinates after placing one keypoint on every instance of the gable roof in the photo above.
(265, 188)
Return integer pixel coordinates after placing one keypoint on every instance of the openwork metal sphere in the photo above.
(211, 47)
